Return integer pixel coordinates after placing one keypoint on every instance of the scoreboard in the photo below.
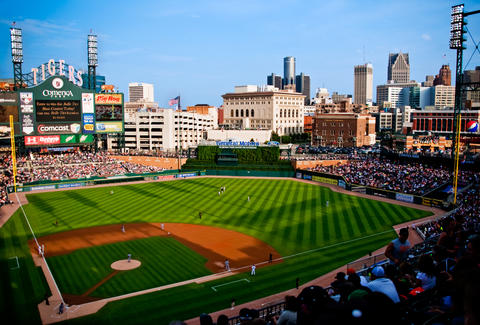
(57, 108)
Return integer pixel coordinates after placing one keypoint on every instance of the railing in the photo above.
(263, 313)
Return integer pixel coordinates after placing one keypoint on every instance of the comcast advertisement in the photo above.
(59, 112)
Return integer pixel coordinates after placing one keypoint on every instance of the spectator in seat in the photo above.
(397, 250)
(381, 284)
(426, 277)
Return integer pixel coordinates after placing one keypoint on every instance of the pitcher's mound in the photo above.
(124, 265)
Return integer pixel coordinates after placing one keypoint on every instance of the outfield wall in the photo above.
(76, 183)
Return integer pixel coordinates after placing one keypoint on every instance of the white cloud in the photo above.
(426, 37)
(41, 27)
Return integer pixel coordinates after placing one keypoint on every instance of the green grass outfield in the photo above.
(164, 261)
(291, 216)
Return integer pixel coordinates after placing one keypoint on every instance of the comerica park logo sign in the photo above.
(57, 93)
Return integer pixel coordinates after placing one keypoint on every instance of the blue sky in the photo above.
(202, 49)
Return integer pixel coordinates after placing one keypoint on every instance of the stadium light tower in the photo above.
(92, 49)
(17, 55)
(457, 29)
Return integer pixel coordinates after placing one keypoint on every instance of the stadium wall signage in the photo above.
(60, 68)
(404, 197)
(59, 128)
(42, 140)
(237, 144)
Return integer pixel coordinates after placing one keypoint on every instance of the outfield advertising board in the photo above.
(88, 122)
(404, 197)
(324, 180)
(42, 140)
(109, 127)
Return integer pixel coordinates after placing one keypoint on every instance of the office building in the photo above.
(440, 122)
(363, 84)
(140, 92)
(392, 96)
(289, 70)
(264, 108)
(471, 97)
(398, 68)
(343, 129)
(443, 97)
(444, 76)
(166, 129)
(302, 85)
(274, 80)
(428, 81)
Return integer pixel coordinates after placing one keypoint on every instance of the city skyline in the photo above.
(201, 51)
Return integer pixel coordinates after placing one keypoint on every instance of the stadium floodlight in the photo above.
(16, 44)
(92, 50)
(456, 27)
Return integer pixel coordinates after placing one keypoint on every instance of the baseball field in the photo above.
(182, 230)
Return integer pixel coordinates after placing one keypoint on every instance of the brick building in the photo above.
(343, 129)
(440, 121)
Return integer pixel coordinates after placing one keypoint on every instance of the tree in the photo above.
(275, 137)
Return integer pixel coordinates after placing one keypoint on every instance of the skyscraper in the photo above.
(302, 84)
(140, 92)
(288, 70)
(274, 80)
(398, 67)
(363, 84)
(444, 76)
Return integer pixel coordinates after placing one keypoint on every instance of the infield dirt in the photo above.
(215, 244)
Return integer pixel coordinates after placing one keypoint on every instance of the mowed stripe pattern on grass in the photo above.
(291, 216)
(164, 260)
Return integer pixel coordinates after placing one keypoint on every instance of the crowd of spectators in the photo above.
(412, 178)
(72, 165)
(436, 282)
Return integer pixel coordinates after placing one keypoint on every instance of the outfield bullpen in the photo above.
(292, 217)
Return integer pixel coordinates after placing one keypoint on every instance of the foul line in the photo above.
(224, 284)
(18, 265)
(38, 245)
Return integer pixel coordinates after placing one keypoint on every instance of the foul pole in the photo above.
(14, 158)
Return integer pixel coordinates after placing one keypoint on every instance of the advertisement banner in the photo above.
(432, 202)
(325, 180)
(64, 128)
(88, 123)
(404, 197)
(27, 124)
(87, 103)
(307, 176)
(108, 99)
(41, 140)
(164, 177)
(299, 175)
(8, 106)
(341, 183)
(64, 139)
(85, 138)
(43, 187)
(186, 175)
(69, 185)
(108, 127)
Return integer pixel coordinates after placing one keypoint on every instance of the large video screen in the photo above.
(58, 111)
(108, 112)
(8, 106)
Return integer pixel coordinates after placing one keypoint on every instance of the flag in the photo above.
(174, 101)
